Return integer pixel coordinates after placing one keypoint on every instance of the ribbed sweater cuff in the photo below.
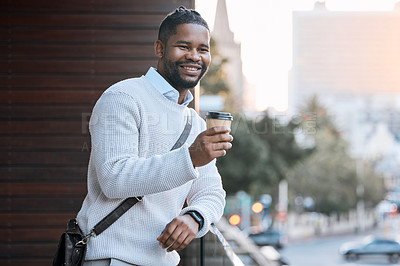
(192, 170)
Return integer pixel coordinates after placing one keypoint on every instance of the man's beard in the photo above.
(175, 78)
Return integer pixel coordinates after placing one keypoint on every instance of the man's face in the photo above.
(186, 56)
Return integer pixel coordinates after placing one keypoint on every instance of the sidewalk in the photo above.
(303, 227)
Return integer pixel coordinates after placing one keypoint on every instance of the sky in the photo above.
(263, 27)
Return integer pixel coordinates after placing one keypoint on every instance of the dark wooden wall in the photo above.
(56, 58)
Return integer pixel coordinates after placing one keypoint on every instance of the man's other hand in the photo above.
(178, 233)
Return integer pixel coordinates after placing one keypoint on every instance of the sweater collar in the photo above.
(165, 88)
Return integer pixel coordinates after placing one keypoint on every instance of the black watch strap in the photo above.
(197, 217)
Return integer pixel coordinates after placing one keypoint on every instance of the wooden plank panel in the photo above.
(36, 235)
(76, 112)
(79, 36)
(27, 251)
(88, 97)
(38, 189)
(88, 51)
(95, 34)
(36, 220)
(40, 205)
(40, 127)
(44, 173)
(57, 82)
(44, 158)
(99, 6)
(25, 261)
(68, 67)
(89, 21)
(45, 143)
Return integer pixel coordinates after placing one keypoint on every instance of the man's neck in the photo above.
(182, 95)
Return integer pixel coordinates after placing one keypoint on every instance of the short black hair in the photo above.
(181, 15)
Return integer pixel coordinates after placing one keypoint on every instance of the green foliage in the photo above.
(281, 141)
(261, 155)
(372, 184)
(329, 175)
(246, 161)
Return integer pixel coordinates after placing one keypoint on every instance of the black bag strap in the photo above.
(185, 134)
(115, 214)
(129, 202)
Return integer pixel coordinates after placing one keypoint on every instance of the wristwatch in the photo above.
(197, 217)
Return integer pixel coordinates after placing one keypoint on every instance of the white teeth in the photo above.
(190, 68)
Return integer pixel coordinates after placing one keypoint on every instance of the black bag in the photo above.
(71, 248)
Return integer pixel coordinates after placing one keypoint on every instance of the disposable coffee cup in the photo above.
(215, 119)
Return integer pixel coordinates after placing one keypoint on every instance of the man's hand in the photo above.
(178, 233)
(210, 144)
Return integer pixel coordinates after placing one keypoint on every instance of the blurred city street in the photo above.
(324, 250)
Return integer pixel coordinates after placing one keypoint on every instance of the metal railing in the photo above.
(229, 248)
(209, 250)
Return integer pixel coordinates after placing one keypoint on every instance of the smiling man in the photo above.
(184, 57)
(133, 127)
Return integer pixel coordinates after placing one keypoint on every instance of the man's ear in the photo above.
(159, 49)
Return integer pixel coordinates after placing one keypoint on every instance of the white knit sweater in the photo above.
(133, 128)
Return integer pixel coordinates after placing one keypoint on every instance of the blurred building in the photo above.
(351, 61)
(243, 94)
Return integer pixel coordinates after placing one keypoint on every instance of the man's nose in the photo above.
(193, 55)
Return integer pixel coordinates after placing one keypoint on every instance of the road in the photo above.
(323, 251)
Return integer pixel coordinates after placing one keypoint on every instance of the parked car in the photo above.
(371, 246)
(269, 238)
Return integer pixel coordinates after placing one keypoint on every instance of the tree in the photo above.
(280, 139)
(245, 162)
(329, 175)
(261, 155)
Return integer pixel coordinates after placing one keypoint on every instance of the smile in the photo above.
(191, 68)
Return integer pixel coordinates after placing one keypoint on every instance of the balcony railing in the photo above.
(224, 246)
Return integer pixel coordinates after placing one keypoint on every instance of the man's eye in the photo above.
(183, 47)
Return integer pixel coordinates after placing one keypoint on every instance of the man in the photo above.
(133, 126)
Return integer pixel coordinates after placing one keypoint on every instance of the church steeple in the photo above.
(222, 30)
